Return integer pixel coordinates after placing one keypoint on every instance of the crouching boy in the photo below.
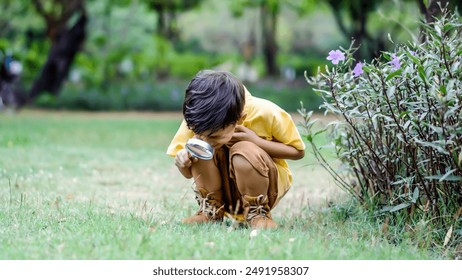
(252, 137)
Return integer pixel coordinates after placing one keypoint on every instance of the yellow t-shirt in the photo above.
(268, 121)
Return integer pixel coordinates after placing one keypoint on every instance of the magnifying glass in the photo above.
(199, 149)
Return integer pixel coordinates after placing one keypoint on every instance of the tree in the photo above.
(357, 12)
(167, 13)
(66, 22)
(269, 12)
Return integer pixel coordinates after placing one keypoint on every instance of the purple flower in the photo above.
(358, 70)
(336, 56)
(395, 62)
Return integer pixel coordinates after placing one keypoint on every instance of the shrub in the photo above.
(399, 131)
(165, 95)
(122, 95)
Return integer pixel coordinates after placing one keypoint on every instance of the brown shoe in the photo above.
(211, 207)
(257, 212)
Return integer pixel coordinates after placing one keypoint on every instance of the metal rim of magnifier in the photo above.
(196, 144)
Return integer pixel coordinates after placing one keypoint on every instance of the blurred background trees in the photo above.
(65, 28)
(140, 54)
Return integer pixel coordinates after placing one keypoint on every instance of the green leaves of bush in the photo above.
(399, 137)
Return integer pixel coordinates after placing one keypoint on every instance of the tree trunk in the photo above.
(270, 48)
(62, 53)
(358, 12)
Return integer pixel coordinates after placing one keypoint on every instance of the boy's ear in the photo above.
(242, 118)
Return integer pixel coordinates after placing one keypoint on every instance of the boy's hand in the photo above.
(242, 133)
(183, 159)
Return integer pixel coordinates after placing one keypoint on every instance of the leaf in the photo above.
(449, 27)
(389, 38)
(398, 207)
(391, 91)
(394, 74)
(447, 237)
(455, 66)
(432, 145)
(403, 114)
(422, 74)
(415, 195)
(443, 89)
(444, 178)
(311, 123)
(320, 131)
(332, 108)
(438, 30)
(447, 175)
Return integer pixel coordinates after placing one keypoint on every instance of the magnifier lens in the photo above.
(199, 149)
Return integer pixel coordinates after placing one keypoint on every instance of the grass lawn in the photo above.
(99, 186)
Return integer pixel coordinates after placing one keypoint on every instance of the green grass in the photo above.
(99, 186)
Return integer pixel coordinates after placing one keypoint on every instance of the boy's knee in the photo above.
(241, 164)
(247, 157)
(243, 146)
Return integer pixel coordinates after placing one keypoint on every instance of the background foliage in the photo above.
(150, 46)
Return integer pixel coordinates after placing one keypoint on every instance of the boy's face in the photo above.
(218, 138)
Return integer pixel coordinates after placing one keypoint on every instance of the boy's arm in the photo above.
(176, 149)
(186, 172)
(274, 149)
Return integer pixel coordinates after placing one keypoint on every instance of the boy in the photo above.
(251, 138)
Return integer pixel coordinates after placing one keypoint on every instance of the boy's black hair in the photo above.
(213, 100)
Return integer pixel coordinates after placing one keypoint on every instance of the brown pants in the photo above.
(259, 160)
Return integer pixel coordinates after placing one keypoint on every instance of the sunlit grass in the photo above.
(99, 186)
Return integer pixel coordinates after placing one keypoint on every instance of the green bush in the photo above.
(166, 95)
(186, 65)
(399, 131)
(308, 62)
(117, 96)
